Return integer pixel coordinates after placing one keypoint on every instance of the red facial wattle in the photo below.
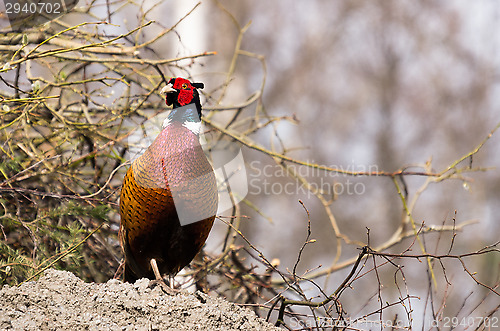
(185, 92)
(185, 97)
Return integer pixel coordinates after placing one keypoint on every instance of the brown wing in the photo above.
(150, 226)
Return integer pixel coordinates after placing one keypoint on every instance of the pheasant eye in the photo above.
(184, 86)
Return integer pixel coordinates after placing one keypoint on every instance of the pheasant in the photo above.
(169, 197)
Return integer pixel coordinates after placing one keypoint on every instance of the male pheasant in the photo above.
(169, 195)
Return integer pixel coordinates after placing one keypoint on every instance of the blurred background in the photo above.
(376, 85)
(361, 86)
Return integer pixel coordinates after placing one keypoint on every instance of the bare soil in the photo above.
(61, 301)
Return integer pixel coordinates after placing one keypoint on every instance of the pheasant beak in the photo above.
(166, 90)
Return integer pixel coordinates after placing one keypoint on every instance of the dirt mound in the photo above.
(60, 300)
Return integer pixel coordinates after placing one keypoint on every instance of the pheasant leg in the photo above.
(159, 279)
